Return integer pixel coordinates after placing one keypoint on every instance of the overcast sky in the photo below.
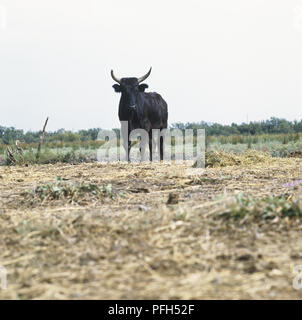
(215, 60)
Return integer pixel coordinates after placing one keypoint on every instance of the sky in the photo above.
(215, 60)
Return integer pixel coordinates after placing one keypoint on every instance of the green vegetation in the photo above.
(70, 191)
(236, 133)
(248, 207)
(10, 135)
(51, 156)
(271, 126)
(277, 137)
(274, 147)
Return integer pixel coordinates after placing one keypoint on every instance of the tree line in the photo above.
(271, 126)
(274, 125)
(11, 134)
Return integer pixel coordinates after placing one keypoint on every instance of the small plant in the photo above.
(182, 216)
(70, 191)
(265, 209)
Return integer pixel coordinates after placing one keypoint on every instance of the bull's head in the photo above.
(130, 87)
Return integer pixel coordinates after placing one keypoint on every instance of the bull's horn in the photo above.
(115, 78)
(141, 79)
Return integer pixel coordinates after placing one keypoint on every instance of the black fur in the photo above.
(150, 111)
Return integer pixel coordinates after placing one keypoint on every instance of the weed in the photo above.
(245, 206)
(70, 191)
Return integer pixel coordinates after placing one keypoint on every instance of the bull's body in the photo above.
(151, 112)
(140, 110)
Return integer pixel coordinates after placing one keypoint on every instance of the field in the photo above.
(277, 145)
(152, 231)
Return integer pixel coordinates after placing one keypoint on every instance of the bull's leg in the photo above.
(161, 142)
(162, 137)
(154, 144)
(150, 145)
(128, 151)
(129, 145)
(143, 143)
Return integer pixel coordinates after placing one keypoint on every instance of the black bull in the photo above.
(140, 110)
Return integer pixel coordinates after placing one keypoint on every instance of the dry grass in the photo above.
(216, 159)
(134, 245)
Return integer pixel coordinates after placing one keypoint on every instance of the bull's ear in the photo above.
(142, 87)
(116, 87)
